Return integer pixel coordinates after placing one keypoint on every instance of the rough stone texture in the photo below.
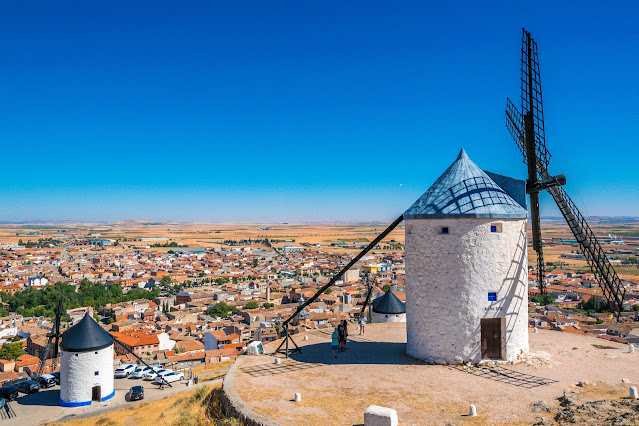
(380, 416)
(448, 278)
(77, 374)
(385, 318)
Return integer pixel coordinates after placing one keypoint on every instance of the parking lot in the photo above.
(42, 407)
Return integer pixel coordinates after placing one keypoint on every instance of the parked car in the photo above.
(124, 370)
(150, 375)
(139, 372)
(45, 381)
(171, 377)
(57, 377)
(28, 386)
(136, 393)
(10, 393)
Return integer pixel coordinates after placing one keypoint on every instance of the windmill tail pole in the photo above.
(138, 358)
(346, 268)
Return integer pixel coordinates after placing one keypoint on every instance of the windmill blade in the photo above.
(610, 283)
(44, 356)
(515, 125)
(531, 99)
(535, 220)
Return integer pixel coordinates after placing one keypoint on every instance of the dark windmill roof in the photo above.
(464, 190)
(389, 304)
(86, 335)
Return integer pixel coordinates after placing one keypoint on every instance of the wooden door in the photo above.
(96, 393)
(491, 338)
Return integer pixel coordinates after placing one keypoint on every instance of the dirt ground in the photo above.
(375, 370)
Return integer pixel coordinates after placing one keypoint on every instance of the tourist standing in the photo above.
(335, 342)
(362, 323)
(345, 340)
(341, 330)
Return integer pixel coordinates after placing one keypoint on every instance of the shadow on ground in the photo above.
(361, 350)
(45, 397)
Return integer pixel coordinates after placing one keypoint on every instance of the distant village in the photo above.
(189, 306)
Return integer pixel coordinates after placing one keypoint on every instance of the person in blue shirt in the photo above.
(335, 341)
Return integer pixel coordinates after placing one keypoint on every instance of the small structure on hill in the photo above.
(388, 308)
(86, 364)
(467, 267)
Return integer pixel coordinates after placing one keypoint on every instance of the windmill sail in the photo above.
(527, 129)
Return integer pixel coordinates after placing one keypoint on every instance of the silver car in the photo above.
(124, 370)
(151, 374)
(139, 372)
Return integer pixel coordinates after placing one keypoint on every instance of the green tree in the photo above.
(255, 262)
(386, 288)
(543, 300)
(166, 281)
(96, 317)
(252, 305)
(220, 309)
(268, 305)
(12, 351)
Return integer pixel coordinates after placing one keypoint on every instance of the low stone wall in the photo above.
(233, 406)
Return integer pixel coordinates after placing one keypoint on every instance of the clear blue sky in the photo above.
(301, 111)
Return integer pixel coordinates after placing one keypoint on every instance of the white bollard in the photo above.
(305, 338)
(535, 330)
(380, 416)
(631, 348)
(633, 393)
(473, 411)
(298, 397)
(278, 360)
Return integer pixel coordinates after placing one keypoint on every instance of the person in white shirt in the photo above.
(362, 323)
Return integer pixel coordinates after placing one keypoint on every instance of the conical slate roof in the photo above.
(389, 304)
(465, 191)
(85, 336)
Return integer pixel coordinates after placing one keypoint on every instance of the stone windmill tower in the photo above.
(86, 370)
(467, 267)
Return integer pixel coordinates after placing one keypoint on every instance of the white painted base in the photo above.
(387, 318)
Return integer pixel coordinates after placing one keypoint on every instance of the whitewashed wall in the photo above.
(448, 278)
(77, 374)
(386, 318)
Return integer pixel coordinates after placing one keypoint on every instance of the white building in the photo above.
(86, 364)
(467, 267)
(388, 308)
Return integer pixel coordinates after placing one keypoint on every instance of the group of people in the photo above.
(339, 337)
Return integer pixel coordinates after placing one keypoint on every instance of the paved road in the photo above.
(43, 406)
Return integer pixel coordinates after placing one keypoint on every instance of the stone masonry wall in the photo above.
(448, 278)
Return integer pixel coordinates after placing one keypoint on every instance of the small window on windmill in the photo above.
(495, 227)
(492, 296)
(443, 230)
(97, 373)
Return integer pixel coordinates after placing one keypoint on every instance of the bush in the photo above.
(252, 305)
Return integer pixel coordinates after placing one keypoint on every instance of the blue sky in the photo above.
(301, 111)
